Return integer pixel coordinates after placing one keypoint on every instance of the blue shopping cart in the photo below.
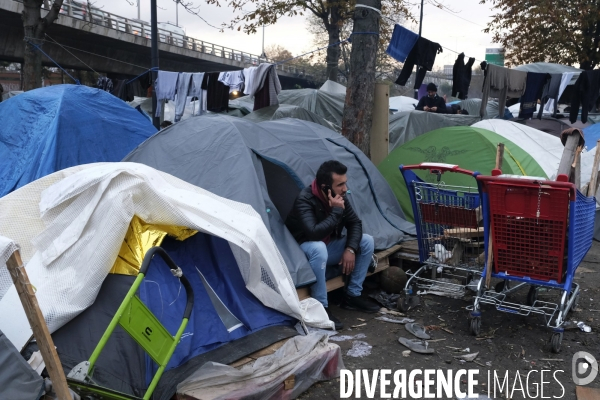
(449, 229)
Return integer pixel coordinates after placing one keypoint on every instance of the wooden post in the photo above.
(38, 326)
(577, 179)
(358, 107)
(380, 128)
(568, 156)
(594, 178)
(490, 255)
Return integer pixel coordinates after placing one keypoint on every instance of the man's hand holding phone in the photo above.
(334, 200)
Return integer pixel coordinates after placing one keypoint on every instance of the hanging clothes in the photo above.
(501, 83)
(105, 84)
(552, 103)
(402, 43)
(134, 89)
(233, 79)
(183, 88)
(423, 55)
(585, 93)
(217, 94)
(266, 87)
(119, 89)
(197, 91)
(165, 87)
(534, 87)
(461, 76)
(249, 76)
(550, 92)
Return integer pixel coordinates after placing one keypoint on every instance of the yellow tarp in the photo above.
(139, 239)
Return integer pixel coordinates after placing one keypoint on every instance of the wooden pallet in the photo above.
(383, 263)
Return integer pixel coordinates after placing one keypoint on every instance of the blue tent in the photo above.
(56, 127)
(591, 135)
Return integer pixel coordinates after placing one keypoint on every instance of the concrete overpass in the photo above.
(110, 45)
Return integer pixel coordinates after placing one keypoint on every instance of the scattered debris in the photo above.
(359, 325)
(359, 349)
(391, 312)
(551, 359)
(406, 353)
(395, 321)
(387, 300)
(448, 331)
(343, 338)
(585, 328)
(361, 319)
(488, 364)
(468, 357)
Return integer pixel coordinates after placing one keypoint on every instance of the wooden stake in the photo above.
(577, 166)
(490, 258)
(568, 156)
(499, 155)
(38, 326)
(594, 177)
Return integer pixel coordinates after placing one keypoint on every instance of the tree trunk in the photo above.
(35, 27)
(358, 108)
(333, 52)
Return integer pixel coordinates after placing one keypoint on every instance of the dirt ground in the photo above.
(513, 343)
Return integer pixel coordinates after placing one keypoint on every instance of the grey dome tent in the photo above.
(281, 111)
(266, 165)
(308, 145)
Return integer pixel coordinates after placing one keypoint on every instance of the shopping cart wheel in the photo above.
(555, 341)
(475, 326)
(532, 296)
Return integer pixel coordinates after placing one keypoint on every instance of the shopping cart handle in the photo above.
(186, 284)
(439, 168)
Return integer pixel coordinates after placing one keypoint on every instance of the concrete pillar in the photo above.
(380, 127)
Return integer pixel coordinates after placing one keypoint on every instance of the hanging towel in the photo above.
(501, 83)
(533, 92)
(269, 88)
(165, 87)
(249, 77)
(183, 88)
(401, 43)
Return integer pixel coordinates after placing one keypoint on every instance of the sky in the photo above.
(460, 29)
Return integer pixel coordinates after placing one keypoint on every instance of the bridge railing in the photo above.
(84, 11)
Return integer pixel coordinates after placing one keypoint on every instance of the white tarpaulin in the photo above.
(86, 216)
(545, 149)
(402, 103)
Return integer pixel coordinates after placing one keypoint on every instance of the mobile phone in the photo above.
(329, 189)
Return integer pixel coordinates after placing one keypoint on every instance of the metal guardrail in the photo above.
(86, 12)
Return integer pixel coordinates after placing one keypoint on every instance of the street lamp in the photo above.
(263, 55)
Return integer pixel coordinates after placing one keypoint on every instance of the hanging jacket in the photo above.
(461, 76)
(423, 54)
(585, 93)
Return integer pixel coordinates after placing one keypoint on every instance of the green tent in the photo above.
(470, 148)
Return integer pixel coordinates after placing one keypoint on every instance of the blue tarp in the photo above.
(591, 135)
(45, 130)
(205, 331)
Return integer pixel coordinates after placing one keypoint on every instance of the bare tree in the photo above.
(35, 27)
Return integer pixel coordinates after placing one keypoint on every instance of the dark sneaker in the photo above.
(338, 324)
(359, 303)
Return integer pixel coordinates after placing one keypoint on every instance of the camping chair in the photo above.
(139, 322)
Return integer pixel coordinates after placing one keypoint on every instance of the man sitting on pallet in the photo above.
(316, 221)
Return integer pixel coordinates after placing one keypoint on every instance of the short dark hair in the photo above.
(165, 123)
(327, 169)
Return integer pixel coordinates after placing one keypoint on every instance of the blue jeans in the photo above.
(321, 255)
